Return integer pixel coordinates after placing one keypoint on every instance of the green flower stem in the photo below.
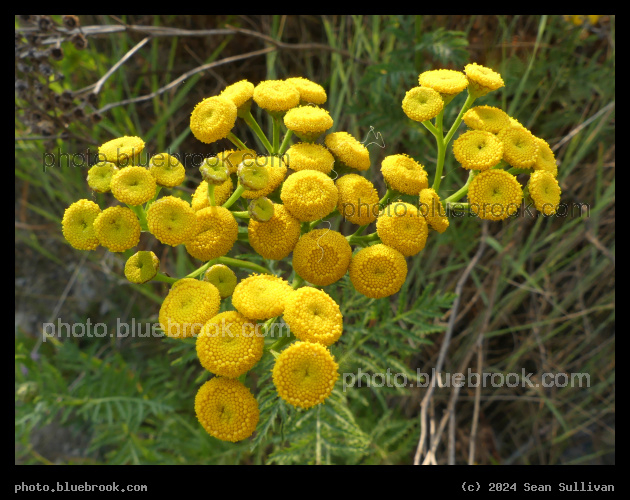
(235, 196)
(431, 128)
(229, 261)
(211, 194)
(383, 201)
(469, 101)
(165, 279)
(359, 231)
(276, 135)
(237, 142)
(285, 142)
(305, 227)
(253, 125)
(241, 215)
(298, 281)
(501, 164)
(142, 216)
(202, 269)
(516, 171)
(280, 343)
(362, 239)
(441, 145)
(462, 191)
(458, 206)
(314, 224)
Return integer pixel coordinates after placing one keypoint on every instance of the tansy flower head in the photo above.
(260, 209)
(305, 374)
(277, 170)
(486, 118)
(308, 122)
(229, 344)
(99, 176)
(482, 80)
(276, 96)
(422, 103)
(142, 267)
(133, 185)
(494, 195)
(117, 229)
(167, 170)
(432, 210)
(306, 156)
(309, 195)
(121, 151)
(348, 151)
(313, 316)
(322, 257)
(520, 148)
(223, 278)
(358, 199)
(478, 150)
(447, 82)
(378, 271)
(404, 174)
(77, 224)
(214, 171)
(226, 409)
(190, 303)
(253, 176)
(401, 227)
(276, 238)
(215, 232)
(545, 191)
(240, 93)
(171, 220)
(213, 119)
(232, 158)
(261, 296)
(310, 92)
(221, 194)
(545, 160)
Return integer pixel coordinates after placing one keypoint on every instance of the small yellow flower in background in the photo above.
(171, 220)
(121, 151)
(277, 171)
(240, 93)
(276, 96)
(520, 148)
(133, 185)
(261, 296)
(482, 80)
(358, 199)
(213, 119)
(190, 303)
(486, 118)
(404, 174)
(221, 194)
(432, 210)
(223, 278)
(401, 227)
(100, 175)
(348, 151)
(305, 374)
(142, 267)
(233, 157)
(378, 271)
(545, 191)
(308, 122)
(117, 229)
(545, 160)
(307, 156)
(322, 257)
(448, 82)
(478, 150)
(276, 238)
(167, 170)
(313, 316)
(422, 103)
(229, 344)
(495, 195)
(215, 233)
(310, 92)
(77, 224)
(226, 409)
(309, 195)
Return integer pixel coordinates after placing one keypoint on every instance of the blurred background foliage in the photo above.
(541, 297)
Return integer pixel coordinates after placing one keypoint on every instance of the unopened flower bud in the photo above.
(213, 171)
(261, 209)
(253, 176)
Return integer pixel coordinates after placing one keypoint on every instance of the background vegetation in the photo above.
(540, 297)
